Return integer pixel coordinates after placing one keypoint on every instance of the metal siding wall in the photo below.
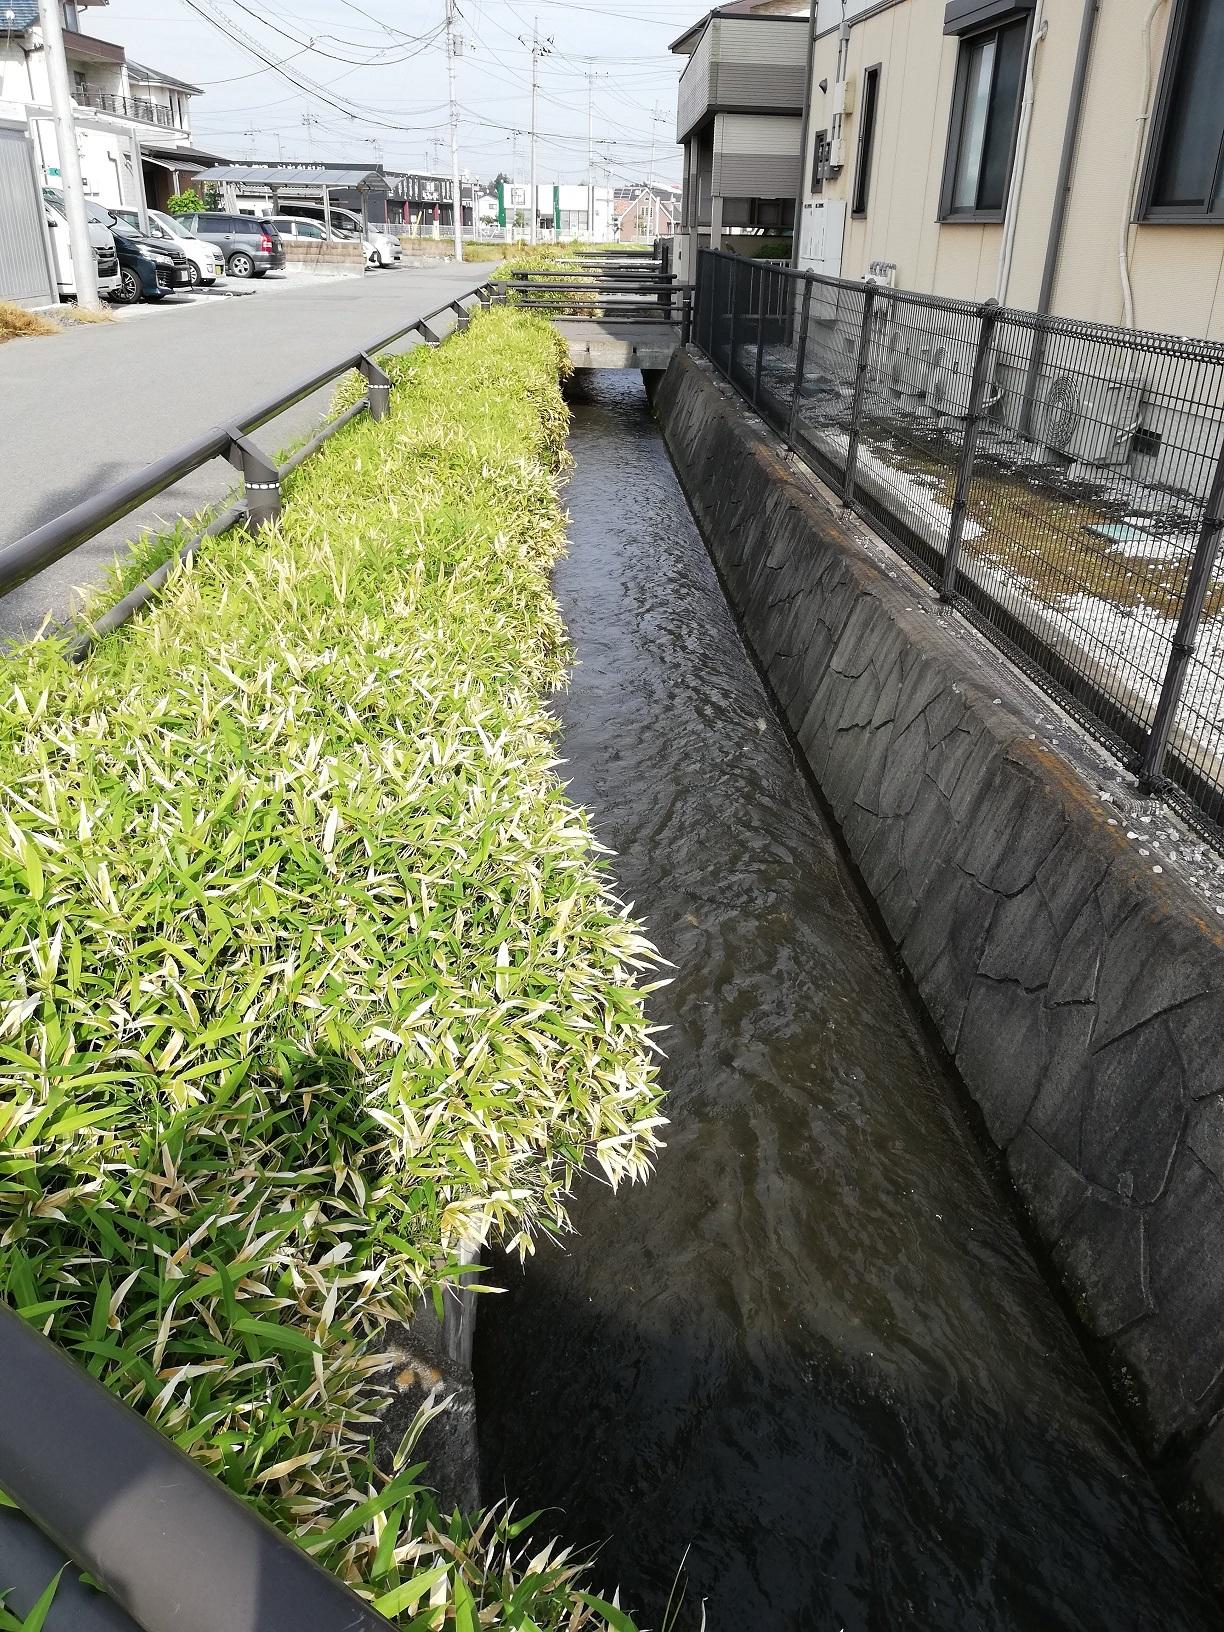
(759, 84)
(760, 133)
(756, 156)
(24, 274)
(765, 41)
(758, 175)
(694, 92)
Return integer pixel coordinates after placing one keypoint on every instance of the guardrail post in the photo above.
(378, 386)
(805, 312)
(1185, 636)
(462, 316)
(860, 385)
(989, 317)
(260, 481)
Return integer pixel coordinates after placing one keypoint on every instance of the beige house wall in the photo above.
(1177, 272)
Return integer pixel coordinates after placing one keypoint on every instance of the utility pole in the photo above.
(656, 116)
(453, 49)
(591, 77)
(84, 268)
(539, 48)
(310, 120)
(433, 156)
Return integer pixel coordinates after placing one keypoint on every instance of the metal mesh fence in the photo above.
(1061, 482)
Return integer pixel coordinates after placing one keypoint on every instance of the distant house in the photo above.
(646, 212)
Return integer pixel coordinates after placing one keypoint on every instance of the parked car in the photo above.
(106, 261)
(204, 263)
(148, 269)
(382, 247)
(296, 226)
(250, 245)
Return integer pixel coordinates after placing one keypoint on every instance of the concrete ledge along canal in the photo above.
(813, 1358)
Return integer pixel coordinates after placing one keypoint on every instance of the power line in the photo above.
(301, 81)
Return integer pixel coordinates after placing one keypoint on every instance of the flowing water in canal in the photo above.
(813, 1356)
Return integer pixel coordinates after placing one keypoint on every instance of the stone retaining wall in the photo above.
(324, 255)
(1079, 988)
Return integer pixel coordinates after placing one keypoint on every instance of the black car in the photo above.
(149, 268)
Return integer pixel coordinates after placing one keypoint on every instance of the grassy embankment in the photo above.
(308, 970)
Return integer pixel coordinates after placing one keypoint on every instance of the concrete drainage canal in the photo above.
(810, 1377)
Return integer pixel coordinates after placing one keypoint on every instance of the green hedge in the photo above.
(307, 970)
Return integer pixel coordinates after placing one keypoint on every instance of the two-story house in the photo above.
(739, 115)
(1061, 155)
(133, 122)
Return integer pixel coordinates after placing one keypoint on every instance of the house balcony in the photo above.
(135, 108)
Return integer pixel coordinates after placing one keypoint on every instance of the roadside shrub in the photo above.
(188, 202)
(308, 971)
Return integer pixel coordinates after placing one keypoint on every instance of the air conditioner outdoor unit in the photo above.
(912, 359)
(1092, 421)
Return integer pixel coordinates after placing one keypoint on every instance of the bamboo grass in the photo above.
(309, 970)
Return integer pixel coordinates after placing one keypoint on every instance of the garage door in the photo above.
(24, 273)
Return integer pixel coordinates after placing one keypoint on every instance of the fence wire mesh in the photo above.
(1062, 482)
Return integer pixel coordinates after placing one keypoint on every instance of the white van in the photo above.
(105, 260)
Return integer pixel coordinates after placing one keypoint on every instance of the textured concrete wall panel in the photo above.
(1081, 995)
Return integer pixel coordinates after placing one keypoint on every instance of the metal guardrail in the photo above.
(175, 1550)
(173, 1547)
(261, 500)
(603, 294)
(1061, 483)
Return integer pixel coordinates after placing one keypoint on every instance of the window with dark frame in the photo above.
(866, 139)
(1184, 177)
(820, 157)
(985, 116)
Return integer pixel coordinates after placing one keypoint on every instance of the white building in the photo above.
(133, 122)
(563, 210)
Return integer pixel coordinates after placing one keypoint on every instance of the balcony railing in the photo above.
(149, 113)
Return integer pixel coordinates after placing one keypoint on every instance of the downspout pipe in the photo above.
(1066, 161)
(1007, 249)
(1062, 198)
(805, 136)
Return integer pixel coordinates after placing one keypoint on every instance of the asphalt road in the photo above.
(89, 406)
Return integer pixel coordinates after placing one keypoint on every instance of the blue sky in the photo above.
(384, 63)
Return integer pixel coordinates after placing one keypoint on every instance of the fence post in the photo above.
(378, 386)
(805, 312)
(732, 280)
(870, 290)
(760, 356)
(1185, 636)
(260, 481)
(989, 317)
(686, 316)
